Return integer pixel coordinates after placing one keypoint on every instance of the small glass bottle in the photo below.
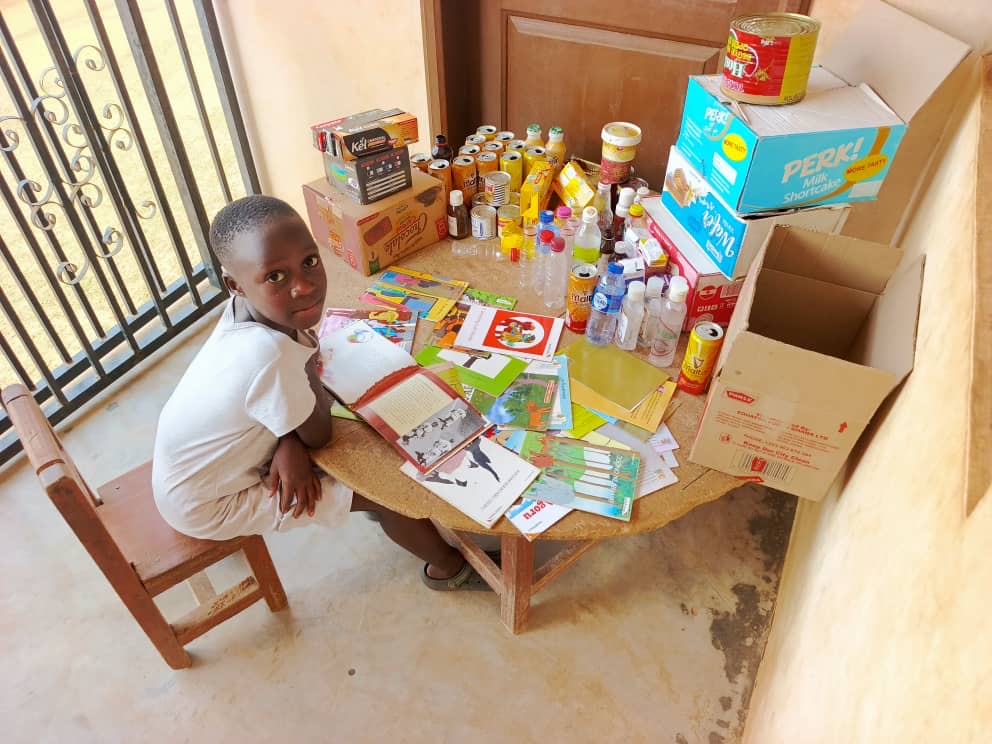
(604, 205)
(605, 251)
(442, 150)
(459, 222)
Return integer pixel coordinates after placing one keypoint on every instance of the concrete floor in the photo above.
(649, 639)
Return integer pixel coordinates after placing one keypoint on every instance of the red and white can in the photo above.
(769, 57)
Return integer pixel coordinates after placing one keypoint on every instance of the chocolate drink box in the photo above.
(370, 237)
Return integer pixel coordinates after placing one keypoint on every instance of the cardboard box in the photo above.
(825, 328)
(731, 240)
(369, 179)
(836, 144)
(372, 131)
(712, 296)
(371, 237)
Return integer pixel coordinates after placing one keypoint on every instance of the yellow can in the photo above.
(504, 137)
(441, 170)
(531, 156)
(488, 131)
(486, 162)
(513, 163)
(496, 147)
(700, 357)
(517, 145)
(422, 160)
(470, 150)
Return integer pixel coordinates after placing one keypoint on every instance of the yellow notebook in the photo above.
(616, 375)
(647, 415)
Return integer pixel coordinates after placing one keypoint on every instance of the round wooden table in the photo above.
(361, 459)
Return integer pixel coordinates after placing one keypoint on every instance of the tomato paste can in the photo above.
(578, 299)
(769, 57)
(700, 357)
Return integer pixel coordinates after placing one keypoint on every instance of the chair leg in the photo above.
(257, 554)
(157, 628)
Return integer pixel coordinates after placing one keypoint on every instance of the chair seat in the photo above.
(160, 556)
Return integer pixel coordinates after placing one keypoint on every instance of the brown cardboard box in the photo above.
(374, 236)
(825, 328)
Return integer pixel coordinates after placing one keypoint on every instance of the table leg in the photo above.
(517, 559)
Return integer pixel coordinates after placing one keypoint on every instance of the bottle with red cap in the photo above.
(556, 277)
(545, 242)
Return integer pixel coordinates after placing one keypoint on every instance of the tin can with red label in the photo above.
(769, 57)
(700, 357)
(581, 284)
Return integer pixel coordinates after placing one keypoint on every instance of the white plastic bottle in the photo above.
(673, 310)
(631, 316)
(604, 205)
(588, 238)
(542, 255)
(556, 277)
(652, 312)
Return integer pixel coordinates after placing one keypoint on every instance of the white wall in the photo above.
(299, 62)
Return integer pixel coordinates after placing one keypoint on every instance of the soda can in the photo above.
(531, 156)
(488, 131)
(578, 300)
(441, 170)
(476, 139)
(512, 162)
(496, 147)
(422, 160)
(486, 162)
(504, 137)
(517, 145)
(471, 150)
(483, 222)
(463, 176)
(700, 357)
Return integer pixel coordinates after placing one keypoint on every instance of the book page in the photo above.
(409, 403)
(354, 358)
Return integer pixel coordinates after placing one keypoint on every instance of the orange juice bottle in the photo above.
(555, 148)
(533, 136)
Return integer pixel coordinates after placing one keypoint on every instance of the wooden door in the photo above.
(576, 64)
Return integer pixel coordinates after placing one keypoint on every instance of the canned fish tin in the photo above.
(581, 285)
(488, 131)
(504, 137)
(517, 145)
(422, 160)
(486, 162)
(441, 170)
(483, 222)
(476, 139)
(471, 150)
(463, 176)
(769, 57)
(700, 357)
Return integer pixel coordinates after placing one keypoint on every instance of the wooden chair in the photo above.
(139, 553)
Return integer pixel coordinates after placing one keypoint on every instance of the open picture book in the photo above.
(412, 408)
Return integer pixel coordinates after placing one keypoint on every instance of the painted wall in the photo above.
(296, 63)
(880, 631)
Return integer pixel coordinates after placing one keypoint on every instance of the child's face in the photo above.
(279, 272)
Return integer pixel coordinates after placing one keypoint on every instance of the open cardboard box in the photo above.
(825, 328)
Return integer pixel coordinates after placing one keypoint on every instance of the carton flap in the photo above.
(837, 259)
(888, 338)
(900, 57)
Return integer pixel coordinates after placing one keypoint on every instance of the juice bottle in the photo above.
(555, 148)
(533, 136)
(587, 240)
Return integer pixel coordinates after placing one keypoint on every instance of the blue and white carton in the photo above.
(729, 239)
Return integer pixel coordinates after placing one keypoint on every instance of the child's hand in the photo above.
(292, 477)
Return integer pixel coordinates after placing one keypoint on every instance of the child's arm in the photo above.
(316, 430)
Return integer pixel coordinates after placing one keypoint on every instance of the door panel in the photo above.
(596, 76)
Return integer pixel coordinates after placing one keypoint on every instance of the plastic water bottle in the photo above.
(652, 311)
(587, 239)
(568, 231)
(604, 205)
(605, 308)
(637, 226)
(556, 277)
(546, 221)
(631, 316)
(673, 311)
(622, 211)
(539, 272)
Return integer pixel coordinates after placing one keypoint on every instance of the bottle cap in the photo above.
(626, 197)
(556, 134)
(563, 212)
(456, 198)
(636, 290)
(533, 129)
(654, 287)
(623, 248)
(439, 138)
(547, 236)
(558, 245)
(546, 216)
(636, 210)
(615, 268)
(589, 214)
(643, 191)
(514, 255)
(678, 289)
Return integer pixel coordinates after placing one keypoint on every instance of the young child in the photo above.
(231, 448)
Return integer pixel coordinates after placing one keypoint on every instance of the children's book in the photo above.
(616, 375)
(411, 407)
(592, 478)
(398, 324)
(561, 416)
(527, 403)
(491, 373)
(446, 330)
(479, 297)
(431, 297)
(509, 332)
(534, 517)
(655, 472)
(481, 480)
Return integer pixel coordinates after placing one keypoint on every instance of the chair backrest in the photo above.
(60, 479)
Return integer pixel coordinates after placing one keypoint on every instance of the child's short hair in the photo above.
(243, 215)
